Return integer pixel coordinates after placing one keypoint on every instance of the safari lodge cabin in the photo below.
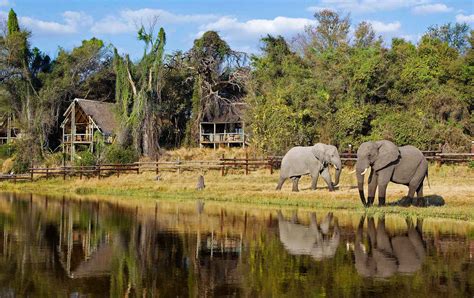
(8, 131)
(82, 120)
(224, 131)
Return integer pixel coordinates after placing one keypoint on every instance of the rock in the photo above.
(200, 183)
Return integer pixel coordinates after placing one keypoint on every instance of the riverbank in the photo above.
(454, 183)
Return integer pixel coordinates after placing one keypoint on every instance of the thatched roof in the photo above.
(101, 113)
(233, 113)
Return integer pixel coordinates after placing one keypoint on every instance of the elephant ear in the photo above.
(319, 151)
(388, 153)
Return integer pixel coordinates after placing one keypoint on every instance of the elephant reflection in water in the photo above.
(388, 255)
(310, 240)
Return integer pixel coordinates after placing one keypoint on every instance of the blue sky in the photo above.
(241, 23)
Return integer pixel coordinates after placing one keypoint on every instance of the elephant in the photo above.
(313, 160)
(402, 165)
(387, 256)
(312, 241)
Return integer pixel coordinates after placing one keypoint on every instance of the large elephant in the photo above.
(310, 240)
(403, 165)
(313, 160)
(388, 255)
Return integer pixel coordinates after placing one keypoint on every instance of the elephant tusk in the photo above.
(363, 173)
(352, 172)
(335, 167)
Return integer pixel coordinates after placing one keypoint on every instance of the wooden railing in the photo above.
(224, 164)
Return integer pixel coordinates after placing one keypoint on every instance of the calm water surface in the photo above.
(54, 247)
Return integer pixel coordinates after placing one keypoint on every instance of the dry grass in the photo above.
(454, 183)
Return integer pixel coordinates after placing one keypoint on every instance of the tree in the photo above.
(456, 36)
(139, 94)
(219, 75)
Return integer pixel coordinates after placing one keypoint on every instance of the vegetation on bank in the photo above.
(454, 183)
(321, 86)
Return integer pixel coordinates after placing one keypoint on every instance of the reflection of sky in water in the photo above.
(51, 247)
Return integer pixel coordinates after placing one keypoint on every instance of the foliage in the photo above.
(84, 158)
(138, 94)
(332, 90)
(116, 154)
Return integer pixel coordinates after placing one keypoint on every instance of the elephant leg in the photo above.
(327, 178)
(382, 181)
(295, 183)
(419, 191)
(314, 180)
(280, 183)
(372, 187)
(416, 183)
(382, 193)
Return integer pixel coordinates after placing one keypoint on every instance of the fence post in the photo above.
(80, 173)
(98, 171)
(138, 168)
(31, 173)
(178, 164)
(157, 168)
(246, 163)
(118, 171)
(223, 165)
(64, 172)
(439, 160)
(47, 172)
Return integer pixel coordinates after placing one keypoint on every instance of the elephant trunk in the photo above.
(338, 166)
(360, 172)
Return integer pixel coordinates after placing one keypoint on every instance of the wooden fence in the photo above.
(223, 164)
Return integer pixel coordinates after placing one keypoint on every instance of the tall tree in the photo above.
(220, 74)
(138, 93)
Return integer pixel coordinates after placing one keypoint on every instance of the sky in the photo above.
(241, 23)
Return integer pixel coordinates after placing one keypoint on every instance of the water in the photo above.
(50, 247)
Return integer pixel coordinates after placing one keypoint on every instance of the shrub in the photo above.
(6, 150)
(84, 158)
(54, 159)
(119, 155)
(7, 165)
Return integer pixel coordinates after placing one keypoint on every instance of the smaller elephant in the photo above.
(312, 160)
(402, 165)
(310, 240)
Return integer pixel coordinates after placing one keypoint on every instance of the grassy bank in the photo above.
(454, 183)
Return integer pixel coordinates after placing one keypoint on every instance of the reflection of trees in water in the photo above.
(50, 247)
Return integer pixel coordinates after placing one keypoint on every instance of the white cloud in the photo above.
(232, 29)
(314, 9)
(431, 8)
(461, 18)
(4, 3)
(362, 6)
(128, 20)
(381, 27)
(72, 22)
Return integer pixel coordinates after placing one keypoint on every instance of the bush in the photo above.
(54, 159)
(8, 165)
(84, 158)
(471, 164)
(119, 155)
(6, 150)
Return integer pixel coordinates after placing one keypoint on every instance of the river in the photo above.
(58, 247)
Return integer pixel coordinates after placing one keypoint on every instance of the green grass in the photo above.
(453, 183)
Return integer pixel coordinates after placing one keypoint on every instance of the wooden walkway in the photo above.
(244, 165)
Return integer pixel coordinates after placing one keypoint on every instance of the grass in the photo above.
(454, 183)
